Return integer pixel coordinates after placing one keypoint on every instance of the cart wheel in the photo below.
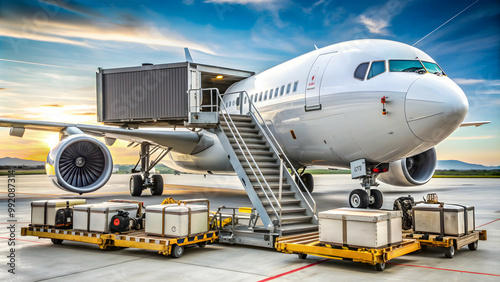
(380, 266)
(177, 251)
(59, 241)
(449, 252)
(302, 256)
(423, 247)
(202, 244)
(473, 246)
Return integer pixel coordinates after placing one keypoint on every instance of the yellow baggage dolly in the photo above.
(449, 243)
(309, 244)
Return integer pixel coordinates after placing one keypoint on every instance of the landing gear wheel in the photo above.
(157, 188)
(449, 252)
(358, 199)
(473, 246)
(177, 251)
(56, 241)
(135, 185)
(308, 181)
(202, 244)
(380, 266)
(378, 199)
(302, 256)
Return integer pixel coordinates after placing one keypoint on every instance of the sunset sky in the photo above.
(65, 42)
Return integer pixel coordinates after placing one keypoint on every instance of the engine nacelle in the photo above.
(412, 171)
(79, 164)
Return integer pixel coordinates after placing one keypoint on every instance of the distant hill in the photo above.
(458, 165)
(19, 162)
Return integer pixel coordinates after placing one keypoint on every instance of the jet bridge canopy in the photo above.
(157, 95)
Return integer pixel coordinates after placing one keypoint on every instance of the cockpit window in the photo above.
(405, 66)
(360, 71)
(433, 68)
(376, 69)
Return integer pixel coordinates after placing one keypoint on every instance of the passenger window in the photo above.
(361, 71)
(295, 86)
(260, 97)
(238, 101)
(376, 69)
(251, 98)
(276, 91)
(288, 88)
(265, 96)
(271, 94)
(246, 100)
(282, 90)
(256, 97)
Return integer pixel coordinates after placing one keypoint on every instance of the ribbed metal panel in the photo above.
(145, 94)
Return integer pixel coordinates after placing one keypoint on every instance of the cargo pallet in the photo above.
(449, 243)
(309, 244)
(134, 239)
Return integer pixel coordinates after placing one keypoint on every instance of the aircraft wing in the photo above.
(474, 123)
(180, 141)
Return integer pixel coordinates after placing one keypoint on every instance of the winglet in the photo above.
(188, 55)
(316, 47)
(474, 123)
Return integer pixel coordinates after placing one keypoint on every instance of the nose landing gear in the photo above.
(145, 179)
(367, 198)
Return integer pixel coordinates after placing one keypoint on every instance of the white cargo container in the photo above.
(44, 212)
(176, 220)
(81, 216)
(430, 218)
(101, 214)
(360, 228)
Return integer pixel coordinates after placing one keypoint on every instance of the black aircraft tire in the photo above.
(135, 185)
(157, 188)
(378, 199)
(358, 199)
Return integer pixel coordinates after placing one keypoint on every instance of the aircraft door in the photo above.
(313, 85)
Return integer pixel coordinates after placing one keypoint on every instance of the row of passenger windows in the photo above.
(378, 67)
(267, 95)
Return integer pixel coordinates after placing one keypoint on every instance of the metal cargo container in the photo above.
(157, 93)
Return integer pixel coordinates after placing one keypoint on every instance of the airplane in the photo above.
(378, 107)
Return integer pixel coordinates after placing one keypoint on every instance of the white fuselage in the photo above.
(337, 118)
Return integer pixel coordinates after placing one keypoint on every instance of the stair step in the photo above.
(264, 171)
(272, 165)
(243, 135)
(239, 124)
(254, 152)
(286, 210)
(250, 146)
(240, 130)
(293, 218)
(248, 140)
(242, 118)
(274, 185)
(268, 179)
(285, 201)
(258, 159)
(298, 228)
(260, 193)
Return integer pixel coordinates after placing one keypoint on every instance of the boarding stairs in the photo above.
(265, 172)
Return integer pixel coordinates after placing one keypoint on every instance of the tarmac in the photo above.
(39, 260)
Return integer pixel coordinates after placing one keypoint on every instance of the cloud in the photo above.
(35, 23)
(489, 92)
(53, 105)
(472, 81)
(375, 26)
(241, 2)
(1, 89)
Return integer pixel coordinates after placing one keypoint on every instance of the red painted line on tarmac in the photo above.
(291, 271)
(6, 238)
(488, 223)
(445, 269)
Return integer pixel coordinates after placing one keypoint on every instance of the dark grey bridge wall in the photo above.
(142, 93)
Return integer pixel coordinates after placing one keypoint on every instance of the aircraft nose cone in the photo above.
(435, 106)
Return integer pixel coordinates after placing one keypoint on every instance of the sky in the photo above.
(66, 41)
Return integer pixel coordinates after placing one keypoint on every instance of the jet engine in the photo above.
(79, 164)
(411, 171)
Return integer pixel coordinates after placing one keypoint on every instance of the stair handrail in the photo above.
(230, 123)
(274, 143)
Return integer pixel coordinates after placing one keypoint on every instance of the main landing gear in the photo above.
(308, 181)
(367, 198)
(139, 182)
